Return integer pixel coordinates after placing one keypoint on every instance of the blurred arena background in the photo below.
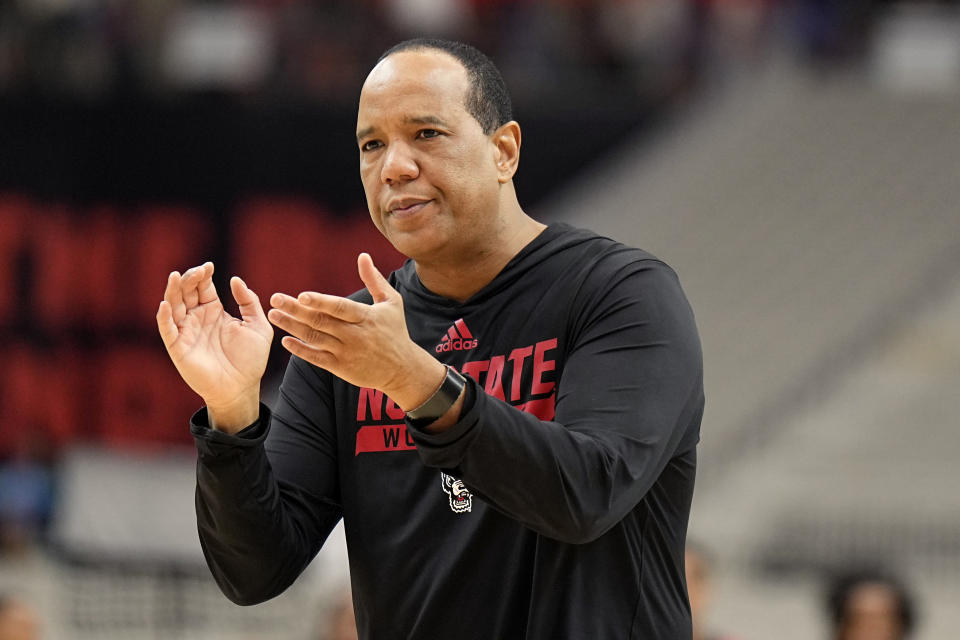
(797, 162)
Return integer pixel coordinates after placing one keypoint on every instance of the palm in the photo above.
(217, 355)
(216, 352)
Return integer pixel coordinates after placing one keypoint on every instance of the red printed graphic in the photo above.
(543, 408)
(384, 437)
(462, 329)
(457, 338)
(514, 378)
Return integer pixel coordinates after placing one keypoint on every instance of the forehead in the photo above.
(873, 597)
(413, 83)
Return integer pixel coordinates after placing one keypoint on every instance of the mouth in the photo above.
(409, 209)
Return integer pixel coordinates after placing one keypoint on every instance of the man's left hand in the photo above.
(366, 345)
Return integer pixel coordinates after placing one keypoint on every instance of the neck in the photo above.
(461, 276)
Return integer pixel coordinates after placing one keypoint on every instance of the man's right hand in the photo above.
(222, 358)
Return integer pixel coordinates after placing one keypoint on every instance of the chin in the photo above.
(418, 245)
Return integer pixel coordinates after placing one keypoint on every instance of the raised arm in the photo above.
(261, 517)
(629, 402)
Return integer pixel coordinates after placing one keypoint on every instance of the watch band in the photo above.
(441, 400)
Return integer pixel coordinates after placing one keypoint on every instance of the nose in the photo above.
(399, 164)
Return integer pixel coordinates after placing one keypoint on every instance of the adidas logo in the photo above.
(457, 338)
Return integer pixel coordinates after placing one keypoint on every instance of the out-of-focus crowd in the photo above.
(293, 49)
(859, 603)
(571, 51)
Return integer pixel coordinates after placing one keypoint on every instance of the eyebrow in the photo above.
(363, 133)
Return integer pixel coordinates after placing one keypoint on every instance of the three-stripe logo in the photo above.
(457, 338)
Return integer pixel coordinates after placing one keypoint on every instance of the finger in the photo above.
(303, 331)
(376, 284)
(206, 290)
(310, 353)
(189, 281)
(318, 308)
(165, 323)
(173, 295)
(198, 285)
(292, 307)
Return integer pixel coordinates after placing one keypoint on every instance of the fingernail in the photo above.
(305, 298)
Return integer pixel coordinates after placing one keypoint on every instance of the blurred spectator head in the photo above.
(869, 604)
(18, 621)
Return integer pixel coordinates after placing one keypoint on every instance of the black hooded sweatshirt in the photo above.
(555, 508)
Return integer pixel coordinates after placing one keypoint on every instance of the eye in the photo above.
(428, 133)
(370, 145)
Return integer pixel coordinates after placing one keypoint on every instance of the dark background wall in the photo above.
(98, 202)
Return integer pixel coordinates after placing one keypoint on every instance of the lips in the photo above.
(407, 206)
(407, 209)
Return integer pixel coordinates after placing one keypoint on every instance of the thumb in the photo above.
(376, 284)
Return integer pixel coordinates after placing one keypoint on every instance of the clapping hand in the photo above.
(222, 358)
(366, 345)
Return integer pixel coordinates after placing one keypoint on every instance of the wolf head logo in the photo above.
(461, 500)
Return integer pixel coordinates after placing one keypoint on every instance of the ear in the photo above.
(506, 141)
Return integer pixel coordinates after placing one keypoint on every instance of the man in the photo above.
(544, 494)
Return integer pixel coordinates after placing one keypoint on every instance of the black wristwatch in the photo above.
(441, 400)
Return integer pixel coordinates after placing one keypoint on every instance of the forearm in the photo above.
(256, 534)
(237, 414)
(568, 484)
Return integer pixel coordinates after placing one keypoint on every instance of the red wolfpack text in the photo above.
(520, 378)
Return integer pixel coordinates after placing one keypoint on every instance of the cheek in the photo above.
(373, 210)
(367, 174)
(370, 189)
(473, 173)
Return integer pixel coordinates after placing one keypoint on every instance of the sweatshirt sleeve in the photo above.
(629, 398)
(267, 497)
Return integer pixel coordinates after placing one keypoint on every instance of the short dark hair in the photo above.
(487, 100)
(843, 584)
